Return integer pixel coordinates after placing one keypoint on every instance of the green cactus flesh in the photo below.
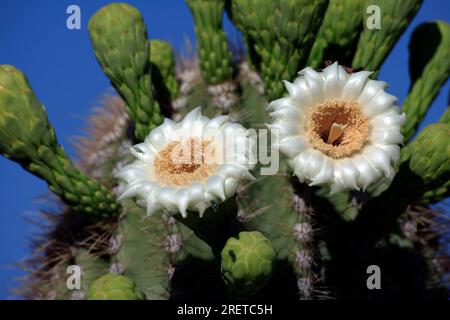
(429, 70)
(247, 261)
(28, 138)
(281, 33)
(338, 34)
(215, 58)
(114, 287)
(119, 38)
(375, 45)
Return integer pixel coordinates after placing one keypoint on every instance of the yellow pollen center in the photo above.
(338, 128)
(180, 163)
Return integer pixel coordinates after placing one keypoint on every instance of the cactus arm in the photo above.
(29, 139)
(375, 45)
(282, 33)
(214, 55)
(338, 34)
(429, 70)
(429, 154)
(167, 88)
(215, 58)
(445, 118)
(119, 38)
(437, 177)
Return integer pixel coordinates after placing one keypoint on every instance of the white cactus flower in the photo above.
(338, 129)
(189, 165)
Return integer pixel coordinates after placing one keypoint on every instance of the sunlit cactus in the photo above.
(247, 262)
(355, 180)
(114, 287)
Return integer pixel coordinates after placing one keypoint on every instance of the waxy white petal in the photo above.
(141, 176)
(364, 167)
(355, 84)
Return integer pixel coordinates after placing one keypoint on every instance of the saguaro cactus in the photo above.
(353, 187)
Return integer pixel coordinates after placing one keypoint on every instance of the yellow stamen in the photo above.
(173, 167)
(338, 128)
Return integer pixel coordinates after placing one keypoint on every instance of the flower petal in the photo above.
(355, 84)
(284, 129)
(367, 173)
(393, 150)
(158, 137)
(300, 162)
(235, 172)
(335, 79)
(315, 83)
(386, 135)
(231, 187)
(166, 198)
(348, 174)
(215, 185)
(378, 158)
(143, 152)
(182, 201)
(133, 172)
(388, 119)
(313, 165)
(292, 146)
(326, 173)
(370, 90)
(217, 122)
(381, 102)
(286, 113)
(299, 93)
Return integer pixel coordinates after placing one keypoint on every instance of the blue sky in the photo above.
(62, 69)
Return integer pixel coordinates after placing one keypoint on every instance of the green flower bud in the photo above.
(429, 154)
(247, 262)
(112, 286)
